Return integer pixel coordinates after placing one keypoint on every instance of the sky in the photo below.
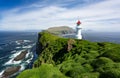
(97, 15)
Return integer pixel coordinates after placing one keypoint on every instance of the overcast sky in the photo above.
(98, 15)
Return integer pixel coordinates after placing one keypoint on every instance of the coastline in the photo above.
(63, 56)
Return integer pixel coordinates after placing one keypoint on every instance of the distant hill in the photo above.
(60, 30)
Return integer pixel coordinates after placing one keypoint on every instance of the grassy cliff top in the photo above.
(72, 58)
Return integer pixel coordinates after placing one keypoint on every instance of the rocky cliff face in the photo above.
(56, 31)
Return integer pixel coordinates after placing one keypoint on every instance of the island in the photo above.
(60, 30)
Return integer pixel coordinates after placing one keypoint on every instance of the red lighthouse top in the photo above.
(78, 23)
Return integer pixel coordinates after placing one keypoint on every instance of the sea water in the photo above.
(96, 36)
(12, 44)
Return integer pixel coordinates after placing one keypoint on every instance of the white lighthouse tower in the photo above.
(78, 30)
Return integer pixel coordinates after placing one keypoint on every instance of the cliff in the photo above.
(72, 58)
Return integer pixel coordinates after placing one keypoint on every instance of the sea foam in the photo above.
(1, 73)
(11, 61)
(29, 46)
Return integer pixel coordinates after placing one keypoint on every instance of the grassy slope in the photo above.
(85, 60)
(44, 71)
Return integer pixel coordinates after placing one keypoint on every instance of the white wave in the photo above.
(27, 41)
(17, 42)
(1, 73)
(18, 47)
(29, 60)
(29, 46)
(11, 61)
(16, 54)
(33, 44)
(27, 55)
(16, 62)
(13, 51)
(22, 67)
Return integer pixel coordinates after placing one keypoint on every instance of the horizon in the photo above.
(25, 15)
(83, 31)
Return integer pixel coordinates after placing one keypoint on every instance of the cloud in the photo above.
(98, 16)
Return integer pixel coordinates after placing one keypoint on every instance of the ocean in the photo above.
(94, 36)
(13, 43)
(113, 37)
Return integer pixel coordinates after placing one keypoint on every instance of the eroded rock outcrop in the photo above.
(10, 71)
(20, 56)
(70, 44)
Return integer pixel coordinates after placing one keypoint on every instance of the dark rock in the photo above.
(20, 56)
(10, 71)
(39, 47)
(70, 44)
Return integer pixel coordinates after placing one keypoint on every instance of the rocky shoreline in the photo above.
(12, 70)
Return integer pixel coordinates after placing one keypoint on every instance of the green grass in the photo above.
(85, 60)
(44, 71)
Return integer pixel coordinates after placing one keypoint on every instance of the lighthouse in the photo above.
(78, 30)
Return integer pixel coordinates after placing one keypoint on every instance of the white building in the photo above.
(78, 30)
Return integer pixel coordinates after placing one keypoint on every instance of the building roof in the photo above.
(78, 23)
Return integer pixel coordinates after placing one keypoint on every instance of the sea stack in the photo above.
(20, 56)
(10, 71)
(78, 30)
